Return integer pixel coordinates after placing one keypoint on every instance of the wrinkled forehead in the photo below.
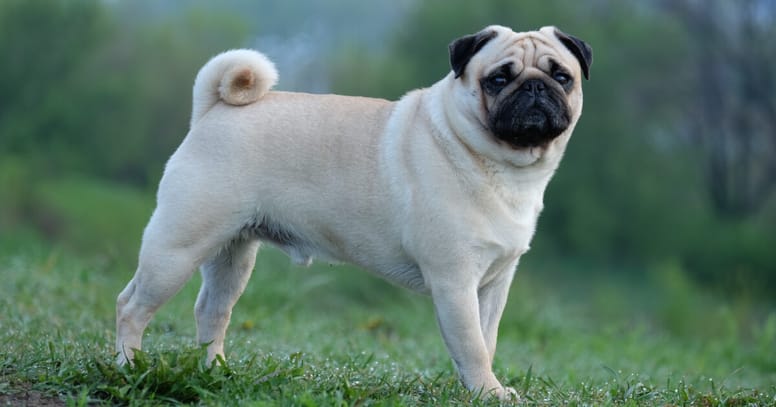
(528, 49)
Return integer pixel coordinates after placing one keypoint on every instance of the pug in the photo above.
(438, 192)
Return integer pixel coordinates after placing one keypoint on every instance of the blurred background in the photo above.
(669, 179)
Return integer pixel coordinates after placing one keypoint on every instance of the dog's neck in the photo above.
(520, 188)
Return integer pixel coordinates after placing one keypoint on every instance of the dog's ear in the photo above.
(579, 48)
(463, 49)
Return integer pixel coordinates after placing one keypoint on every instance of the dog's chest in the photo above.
(512, 227)
(513, 201)
(512, 209)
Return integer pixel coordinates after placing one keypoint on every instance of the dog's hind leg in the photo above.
(224, 277)
(170, 253)
(158, 277)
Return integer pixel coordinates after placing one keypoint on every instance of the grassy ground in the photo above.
(336, 336)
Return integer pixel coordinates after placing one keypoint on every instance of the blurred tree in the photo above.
(84, 92)
(44, 45)
(732, 114)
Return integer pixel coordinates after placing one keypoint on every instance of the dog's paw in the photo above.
(124, 358)
(507, 394)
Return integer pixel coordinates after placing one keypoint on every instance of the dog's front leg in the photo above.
(492, 300)
(457, 309)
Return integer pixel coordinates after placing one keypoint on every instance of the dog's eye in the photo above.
(562, 78)
(498, 80)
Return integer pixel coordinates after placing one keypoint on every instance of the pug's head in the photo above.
(523, 89)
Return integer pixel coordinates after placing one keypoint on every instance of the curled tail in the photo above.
(237, 77)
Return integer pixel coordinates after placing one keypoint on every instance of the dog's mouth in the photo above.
(530, 119)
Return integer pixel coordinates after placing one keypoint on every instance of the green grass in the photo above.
(336, 336)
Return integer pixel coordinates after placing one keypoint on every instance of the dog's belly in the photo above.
(298, 248)
(407, 275)
(393, 266)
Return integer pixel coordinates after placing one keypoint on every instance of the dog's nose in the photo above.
(533, 86)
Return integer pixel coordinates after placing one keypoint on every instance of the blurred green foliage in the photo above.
(94, 97)
(83, 91)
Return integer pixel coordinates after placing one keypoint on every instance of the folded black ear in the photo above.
(463, 49)
(579, 48)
